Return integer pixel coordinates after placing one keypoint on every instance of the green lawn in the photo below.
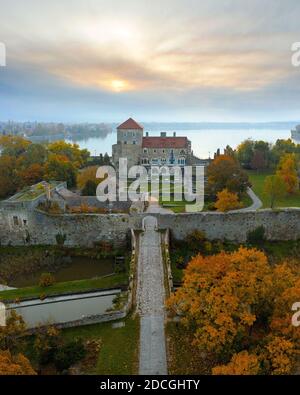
(257, 180)
(66, 287)
(119, 346)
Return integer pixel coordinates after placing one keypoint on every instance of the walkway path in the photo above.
(150, 301)
(155, 208)
(256, 205)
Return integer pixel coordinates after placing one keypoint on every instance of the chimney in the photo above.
(174, 134)
(163, 134)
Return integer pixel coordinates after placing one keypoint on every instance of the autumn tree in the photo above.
(279, 355)
(242, 363)
(59, 168)
(14, 364)
(9, 181)
(287, 170)
(13, 145)
(77, 156)
(32, 174)
(274, 189)
(221, 297)
(34, 154)
(224, 172)
(227, 201)
(10, 334)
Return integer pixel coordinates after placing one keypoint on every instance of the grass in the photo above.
(118, 354)
(66, 287)
(257, 180)
(183, 357)
(277, 251)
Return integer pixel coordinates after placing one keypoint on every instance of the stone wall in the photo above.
(279, 225)
(36, 227)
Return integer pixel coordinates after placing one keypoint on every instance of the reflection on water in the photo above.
(59, 310)
(78, 269)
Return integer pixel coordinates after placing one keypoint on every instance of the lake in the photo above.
(205, 142)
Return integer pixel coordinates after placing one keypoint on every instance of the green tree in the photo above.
(274, 189)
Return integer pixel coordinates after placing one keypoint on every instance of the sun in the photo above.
(118, 85)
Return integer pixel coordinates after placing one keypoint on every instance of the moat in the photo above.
(79, 268)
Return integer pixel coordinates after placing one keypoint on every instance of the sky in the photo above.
(170, 60)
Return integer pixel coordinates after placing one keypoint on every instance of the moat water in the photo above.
(79, 268)
(63, 309)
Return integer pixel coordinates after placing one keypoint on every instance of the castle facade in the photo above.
(150, 150)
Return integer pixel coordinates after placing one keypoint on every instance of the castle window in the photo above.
(16, 220)
(145, 150)
(134, 142)
(25, 222)
(125, 142)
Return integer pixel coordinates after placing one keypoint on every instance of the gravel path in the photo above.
(256, 205)
(150, 301)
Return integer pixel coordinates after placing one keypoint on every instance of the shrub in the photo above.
(256, 236)
(68, 354)
(46, 280)
(61, 238)
(196, 240)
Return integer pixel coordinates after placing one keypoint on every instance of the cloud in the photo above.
(217, 57)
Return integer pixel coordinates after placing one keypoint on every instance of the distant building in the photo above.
(296, 133)
(150, 150)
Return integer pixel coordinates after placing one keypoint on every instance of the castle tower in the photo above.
(129, 142)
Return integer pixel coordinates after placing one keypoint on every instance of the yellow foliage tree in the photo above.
(14, 365)
(280, 354)
(287, 170)
(87, 174)
(227, 200)
(242, 363)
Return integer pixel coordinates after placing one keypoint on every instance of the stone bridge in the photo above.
(151, 301)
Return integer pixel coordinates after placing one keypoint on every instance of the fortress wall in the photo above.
(81, 230)
(279, 225)
(86, 229)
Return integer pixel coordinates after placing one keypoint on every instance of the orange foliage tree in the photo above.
(225, 172)
(242, 363)
(221, 296)
(14, 364)
(227, 201)
(234, 302)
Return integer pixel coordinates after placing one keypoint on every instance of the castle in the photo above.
(150, 151)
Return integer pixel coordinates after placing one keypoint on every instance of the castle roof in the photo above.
(130, 124)
(165, 142)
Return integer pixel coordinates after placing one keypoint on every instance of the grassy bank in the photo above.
(258, 179)
(276, 251)
(183, 357)
(66, 287)
(119, 346)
